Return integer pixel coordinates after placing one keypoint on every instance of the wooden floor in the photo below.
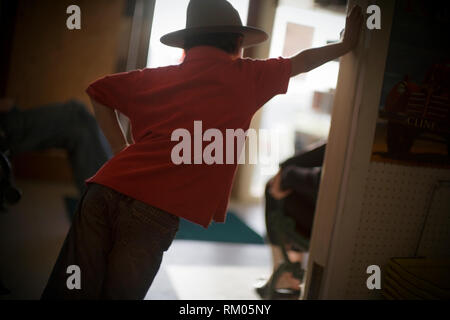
(32, 232)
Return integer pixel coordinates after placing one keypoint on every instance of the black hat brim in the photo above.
(252, 36)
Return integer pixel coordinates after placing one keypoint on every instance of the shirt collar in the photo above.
(206, 52)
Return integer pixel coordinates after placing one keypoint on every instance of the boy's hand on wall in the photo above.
(310, 59)
(353, 27)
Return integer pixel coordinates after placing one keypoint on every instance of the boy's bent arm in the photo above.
(110, 125)
(310, 59)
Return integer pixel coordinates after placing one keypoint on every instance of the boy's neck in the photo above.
(204, 52)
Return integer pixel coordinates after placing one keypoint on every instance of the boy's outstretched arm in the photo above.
(110, 125)
(310, 59)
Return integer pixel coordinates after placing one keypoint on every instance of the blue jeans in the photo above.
(118, 244)
(60, 125)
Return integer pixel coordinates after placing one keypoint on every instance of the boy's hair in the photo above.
(227, 42)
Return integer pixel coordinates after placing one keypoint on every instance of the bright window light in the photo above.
(170, 15)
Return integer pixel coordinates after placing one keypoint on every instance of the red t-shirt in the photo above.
(209, 86)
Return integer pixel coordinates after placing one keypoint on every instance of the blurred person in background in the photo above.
(290, 201)
(65, 125)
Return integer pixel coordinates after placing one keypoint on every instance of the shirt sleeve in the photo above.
(270, 77)
(114, 90)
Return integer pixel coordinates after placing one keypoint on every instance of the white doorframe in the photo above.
(347, 159)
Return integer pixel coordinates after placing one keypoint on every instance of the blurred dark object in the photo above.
(3, 289)
(8, 11)
(326, 3)
(9, 193)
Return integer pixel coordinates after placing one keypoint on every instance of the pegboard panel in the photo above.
(392, 218)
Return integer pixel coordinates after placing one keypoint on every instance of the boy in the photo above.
(130, 213)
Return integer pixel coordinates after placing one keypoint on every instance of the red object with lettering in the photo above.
(414, 109)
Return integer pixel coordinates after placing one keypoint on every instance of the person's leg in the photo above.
(60, 125)
(87, 148)
(273, 208)
(87, 246)
(277, 256)
(142, 235)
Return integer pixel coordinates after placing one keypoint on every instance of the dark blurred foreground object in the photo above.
(417, 279)
(325, 3)
(67, 126)
(289, 220)
(9, 193)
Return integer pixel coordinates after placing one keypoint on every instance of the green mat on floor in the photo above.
(234, 230)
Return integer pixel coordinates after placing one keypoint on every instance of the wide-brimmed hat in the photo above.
(213, 16)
